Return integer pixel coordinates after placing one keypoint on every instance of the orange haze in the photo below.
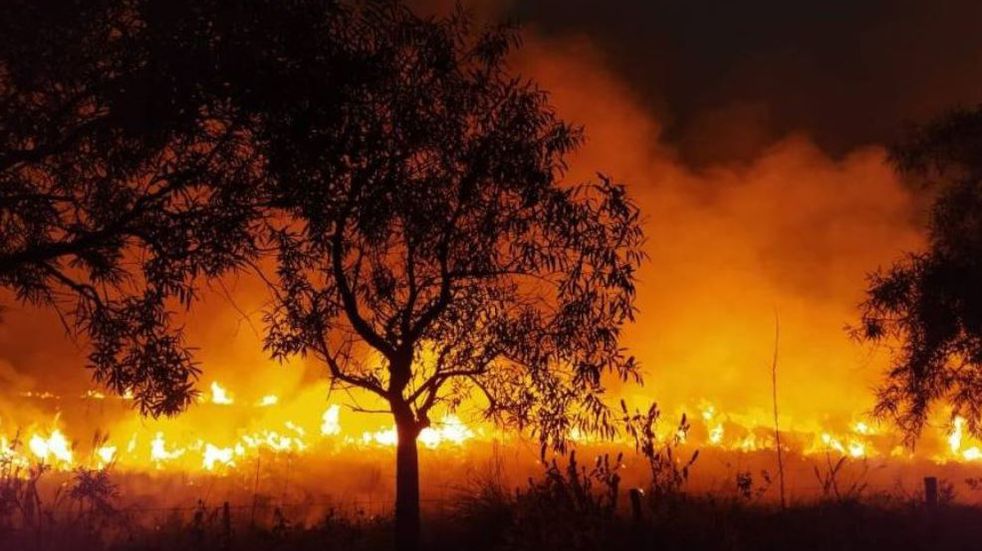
(791, 234)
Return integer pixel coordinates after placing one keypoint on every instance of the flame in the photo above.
(857, 449)
(716, 430)
(955, 442)
(716, 435)
(9, 456)
(972, 454)
(273, 440)
(450, 430)
(219, 395)
(330, 421)
(214, 442)
(159, 452)
(214, 454)
(385, 437)
(749, 443)
(55, 446)
(955, 438)
(106, 454)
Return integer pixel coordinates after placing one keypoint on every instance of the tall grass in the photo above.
(572, 504)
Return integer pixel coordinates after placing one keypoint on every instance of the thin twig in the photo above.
(777, 429)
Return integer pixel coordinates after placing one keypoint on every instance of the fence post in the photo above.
(931, 492)
(636, 494)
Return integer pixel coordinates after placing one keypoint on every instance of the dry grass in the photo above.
(570, 506)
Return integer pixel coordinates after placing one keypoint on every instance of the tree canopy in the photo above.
(407, 186)
(931, 301)
(430, 250)
(435, 232)
(125, 173)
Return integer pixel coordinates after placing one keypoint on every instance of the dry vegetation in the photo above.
(570, 505)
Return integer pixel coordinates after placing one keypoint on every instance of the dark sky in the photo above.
(728, 77)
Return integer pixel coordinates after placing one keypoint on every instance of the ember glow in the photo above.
(788, 232)
(172, 444)
(728, 247)
(270, 429)
(219, 395)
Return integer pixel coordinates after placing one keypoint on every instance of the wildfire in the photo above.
(214, 454)
(219, 395)
(280, 426)
(330, 425)
(955, 442)
(106, 455)
(716, 431)
(9, 455)
(159, 452)
(450, 430)
(55, 447)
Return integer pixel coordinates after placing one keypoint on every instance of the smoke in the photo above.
(790, 233)
(729, 79)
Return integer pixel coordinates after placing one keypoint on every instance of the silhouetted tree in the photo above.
(125, 173)
(931, 301)
(431, 252)
(409, 185)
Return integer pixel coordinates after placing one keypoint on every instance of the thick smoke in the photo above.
(729, 79)
(790, 231)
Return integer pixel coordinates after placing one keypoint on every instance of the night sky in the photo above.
(728, 78)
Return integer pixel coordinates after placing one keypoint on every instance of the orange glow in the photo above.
(793, 231)
(290, 427)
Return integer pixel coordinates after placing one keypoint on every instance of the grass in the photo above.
(569, 507)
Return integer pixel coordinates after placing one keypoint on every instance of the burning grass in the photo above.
(569, 503)
(296, 475)
(230, 431)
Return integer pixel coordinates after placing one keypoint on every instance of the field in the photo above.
(548, 515)
(501, 501)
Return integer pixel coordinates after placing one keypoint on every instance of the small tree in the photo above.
(431, 229)
(931, 301)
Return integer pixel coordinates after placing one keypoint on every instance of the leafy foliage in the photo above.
(429, 226)
(668, 468)
(931, 301)
(570, 507)
(123, 177)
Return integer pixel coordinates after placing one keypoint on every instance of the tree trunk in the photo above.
(407, 488)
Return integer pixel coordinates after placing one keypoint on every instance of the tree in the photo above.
(124, 175)
(431, 253)
(931, 301)
(409, 185)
